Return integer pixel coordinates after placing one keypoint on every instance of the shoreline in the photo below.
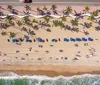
(51, 70)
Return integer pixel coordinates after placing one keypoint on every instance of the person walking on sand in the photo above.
(30, 49)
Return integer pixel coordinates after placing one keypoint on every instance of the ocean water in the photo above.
(14, 79)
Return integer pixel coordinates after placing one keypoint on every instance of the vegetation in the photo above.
(68, 10)
(27, 7)
(95, 13)
(91, 18)
(86, 9)
(28, 25)
(74, 22)
(9, 7)
(53, 7)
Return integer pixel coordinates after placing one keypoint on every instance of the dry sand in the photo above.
(58, 65)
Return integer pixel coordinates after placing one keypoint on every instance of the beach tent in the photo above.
(90, 39)
(84, 39)
(66, 40)
(72, 39)
(78, 39)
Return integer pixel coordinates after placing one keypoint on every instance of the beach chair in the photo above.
(90, 39)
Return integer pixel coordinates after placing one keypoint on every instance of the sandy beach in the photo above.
(51, 58)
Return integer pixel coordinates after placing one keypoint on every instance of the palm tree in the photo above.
(38, 9)
(95, 13)
(91, 18)
(32, 33)
(3, 33)
(24, 29)
(9, 7)
(74, 22)
(27, 7)
(19, 23)
(61, 24)
(9, 18)
(44, 8)
(55, 23)
(53, 7)
(34, 21)
(35, 27)
(87, 25)
(68, 10)
(26, 20)
(86, 9)
(4, 25)
(63, 18)
(12, 35)
(47, 19)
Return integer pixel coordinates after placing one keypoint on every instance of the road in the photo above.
(53, 0)
(76, 2)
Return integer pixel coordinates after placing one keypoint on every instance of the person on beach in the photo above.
(30, 49)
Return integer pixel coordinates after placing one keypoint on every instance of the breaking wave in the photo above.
(14, 79)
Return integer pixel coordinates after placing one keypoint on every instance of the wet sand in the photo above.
(51, 70)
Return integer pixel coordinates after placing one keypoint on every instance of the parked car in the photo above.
(27, 1)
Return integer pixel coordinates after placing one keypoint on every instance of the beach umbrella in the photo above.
(90, 39)
(84, 39)
(78, 39)
(40, 40)
(72, 39)
(66, 40)
(13, 40)
(53, 40)
(27, 40)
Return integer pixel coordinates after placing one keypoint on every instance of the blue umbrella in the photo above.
(66, 40)
(72, 39)
(13, 40)
(40, 40)
(53, 40)
(27, 40)
(84, 39)
(78, 39)
(90, 39)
